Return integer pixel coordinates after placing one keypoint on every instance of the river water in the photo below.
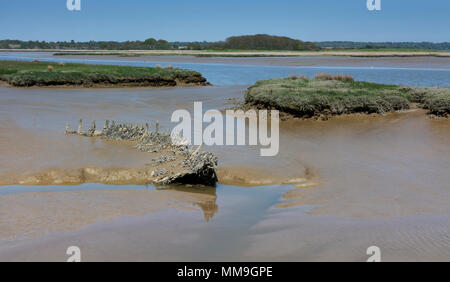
(368, 180)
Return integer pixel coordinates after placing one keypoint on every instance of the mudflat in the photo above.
(325, 60)
(315, 154)
(336, 187)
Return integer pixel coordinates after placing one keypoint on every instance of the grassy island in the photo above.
(340, 94)
(26, 74)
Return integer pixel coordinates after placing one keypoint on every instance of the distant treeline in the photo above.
(246, 42)
(149, 44)
(387, 45)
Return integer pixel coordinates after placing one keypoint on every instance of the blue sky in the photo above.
(212, 20)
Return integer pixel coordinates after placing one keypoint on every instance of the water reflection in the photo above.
(208, 206)
(28, 211)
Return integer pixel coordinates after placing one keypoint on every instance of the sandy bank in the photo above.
(248, 176)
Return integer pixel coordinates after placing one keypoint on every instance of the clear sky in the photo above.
(212, 20)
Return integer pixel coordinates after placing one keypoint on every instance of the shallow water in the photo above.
(372, 180)
(244, 227)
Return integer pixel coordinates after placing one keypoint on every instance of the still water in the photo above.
(241, 73)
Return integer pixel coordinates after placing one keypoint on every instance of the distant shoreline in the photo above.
(246, 53)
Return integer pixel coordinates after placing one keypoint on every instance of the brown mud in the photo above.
(339, 185)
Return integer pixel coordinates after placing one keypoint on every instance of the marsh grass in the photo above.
(340, 77)
(340, 94)
(438, 103)
(23, 74)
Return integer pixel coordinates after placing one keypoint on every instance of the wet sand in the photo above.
(373, 166)
(245, 228)
(37, 132)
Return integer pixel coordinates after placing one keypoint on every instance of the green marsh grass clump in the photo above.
(25, 74)
(438, 102)
(328, 94)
